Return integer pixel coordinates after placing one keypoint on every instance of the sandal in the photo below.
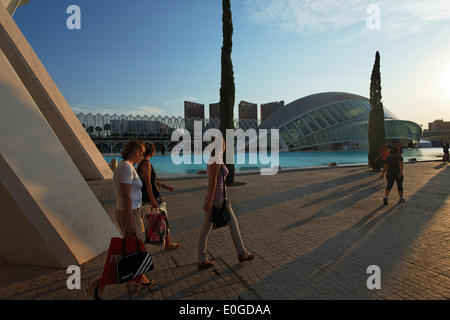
(205, 264)
(250, 257)
(93, 289)
(138, 286)
(172, 246)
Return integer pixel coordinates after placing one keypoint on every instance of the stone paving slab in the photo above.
(314, 232)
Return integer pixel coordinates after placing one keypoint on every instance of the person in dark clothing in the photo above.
(400, 149)
(394, 174)
(446, 153)
(151, 191)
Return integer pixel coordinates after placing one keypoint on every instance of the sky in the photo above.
(147, 57)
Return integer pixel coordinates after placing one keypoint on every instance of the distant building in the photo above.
(248, 115)
(138, 127)
(114, 125)
(268, 108)
(194, 110)
(248, 110)
(214, 110)
(438, 125)
(335, 121)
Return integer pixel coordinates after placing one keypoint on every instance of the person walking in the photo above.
(217, 173)
(151, 191)
(400, 148)
(384, 154)
(128, 212)
(445, 148)
(394, 173)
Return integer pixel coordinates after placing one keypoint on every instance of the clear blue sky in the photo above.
(148, 56)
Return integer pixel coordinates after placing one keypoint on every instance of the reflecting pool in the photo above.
(164, 166)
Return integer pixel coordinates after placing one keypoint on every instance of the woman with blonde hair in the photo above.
(128, 212)
(217, 172)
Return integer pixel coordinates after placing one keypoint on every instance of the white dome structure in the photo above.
(335, 121)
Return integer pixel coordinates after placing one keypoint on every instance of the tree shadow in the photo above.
(336, 268)
(277, 198)
(341, 203)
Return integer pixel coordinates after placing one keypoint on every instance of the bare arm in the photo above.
(125, 193)
(165, 186)
(146, 171)
(212, 186)
(400, 165)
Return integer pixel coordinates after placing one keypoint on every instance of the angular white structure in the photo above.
(12, 5)
(49, 214)
(50, 101)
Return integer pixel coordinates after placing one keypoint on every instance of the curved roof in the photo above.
(305, 104)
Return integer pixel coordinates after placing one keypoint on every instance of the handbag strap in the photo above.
(124, 243)
(223, 177)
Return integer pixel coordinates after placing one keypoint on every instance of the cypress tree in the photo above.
(227, 87)
(376, 133)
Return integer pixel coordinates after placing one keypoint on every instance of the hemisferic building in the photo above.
(335, 121)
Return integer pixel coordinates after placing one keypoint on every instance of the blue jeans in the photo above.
(206, 228)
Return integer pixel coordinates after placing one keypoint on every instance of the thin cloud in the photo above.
(303, 17)
(398, 19)
(191, 99)
(147, 110)
(78, 108)
(134, 111)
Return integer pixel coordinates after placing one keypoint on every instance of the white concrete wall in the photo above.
(50, 100)
(49, 215)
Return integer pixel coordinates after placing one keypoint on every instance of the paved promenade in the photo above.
(315, 233)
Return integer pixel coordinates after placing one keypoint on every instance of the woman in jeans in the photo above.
(217, 173)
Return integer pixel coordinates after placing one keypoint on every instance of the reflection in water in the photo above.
(165, 166)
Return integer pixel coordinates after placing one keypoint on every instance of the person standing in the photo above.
(217, 173)
(394, 173)
(151, 191)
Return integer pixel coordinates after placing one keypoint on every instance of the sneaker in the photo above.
(401, 200)
(385, 200)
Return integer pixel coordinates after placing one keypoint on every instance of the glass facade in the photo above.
(114, 125)
(343, 123)
(327, 121)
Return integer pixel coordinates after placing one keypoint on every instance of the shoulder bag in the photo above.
(133, 264)
(220, 217)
